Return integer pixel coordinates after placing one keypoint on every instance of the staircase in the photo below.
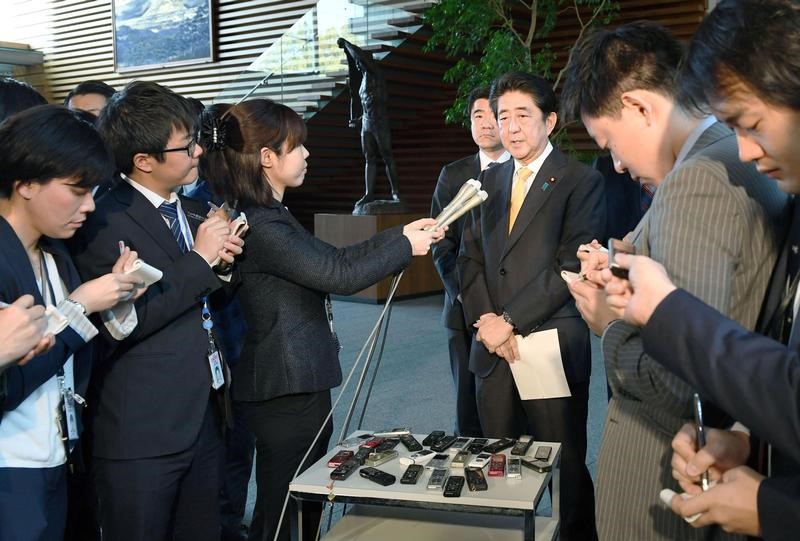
(306, 70)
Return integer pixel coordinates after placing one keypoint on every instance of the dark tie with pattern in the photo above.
(170, 212)
(646, 196)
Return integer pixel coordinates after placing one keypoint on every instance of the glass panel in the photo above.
(306, 66)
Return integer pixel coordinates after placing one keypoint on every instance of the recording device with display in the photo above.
(412, 474)
(343, 471)
(340, 458)
(433, 437)
(380, 457)
(453, 487)
(477, 445)
(499, 445)
(522, 445)
(443, 443)
(616, 246)
(410, 443)
(497, 466)
(476, 481)
(377, 476)
(437, 479)
(514, 468)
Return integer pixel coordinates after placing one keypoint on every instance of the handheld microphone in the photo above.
(468, 190)
(470, 204)
(447, 217)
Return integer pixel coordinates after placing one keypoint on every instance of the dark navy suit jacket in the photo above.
(152, 389)
(17, 279)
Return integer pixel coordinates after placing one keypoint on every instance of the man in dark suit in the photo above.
(157, 434)
(240, 442)
(483, 126)
(541, 207)
(742, 63)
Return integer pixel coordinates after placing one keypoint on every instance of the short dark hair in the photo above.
(479, 93)
(16, 96)
(607, 63)
(535, 86)
(755, 42)
(232, 138)
(90, 87)
(50, 141)
(140, 119)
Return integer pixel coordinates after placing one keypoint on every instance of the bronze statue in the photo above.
(368, 108)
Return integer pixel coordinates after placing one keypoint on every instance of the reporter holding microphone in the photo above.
(49, 162)
(253, 153)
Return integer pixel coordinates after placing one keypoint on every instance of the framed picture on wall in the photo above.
(156, 33)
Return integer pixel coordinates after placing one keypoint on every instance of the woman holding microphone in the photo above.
(253, 153)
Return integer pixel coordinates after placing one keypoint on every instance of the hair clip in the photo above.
(213, 131)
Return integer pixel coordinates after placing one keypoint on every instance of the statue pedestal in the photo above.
(420, 278)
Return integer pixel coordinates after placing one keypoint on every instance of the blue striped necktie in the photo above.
(170, 212)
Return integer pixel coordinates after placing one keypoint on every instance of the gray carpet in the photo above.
(413, 386)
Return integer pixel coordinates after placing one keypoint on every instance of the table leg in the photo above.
(296, 518)
(529, 526)
(555, 492)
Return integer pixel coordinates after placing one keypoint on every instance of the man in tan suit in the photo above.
(714, 225)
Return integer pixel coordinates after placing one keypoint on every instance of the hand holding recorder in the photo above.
(22, 331)
(637, 297)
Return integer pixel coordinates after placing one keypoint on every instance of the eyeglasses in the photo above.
(188, 149)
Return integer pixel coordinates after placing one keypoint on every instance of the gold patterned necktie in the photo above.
(517, 196)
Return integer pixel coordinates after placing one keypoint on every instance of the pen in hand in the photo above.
(701, 436)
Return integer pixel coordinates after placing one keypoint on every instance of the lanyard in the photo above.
(215, 363)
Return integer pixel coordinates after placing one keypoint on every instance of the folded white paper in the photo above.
(539, 372)
(144, 272)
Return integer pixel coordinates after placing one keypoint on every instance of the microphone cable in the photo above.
(371, 340)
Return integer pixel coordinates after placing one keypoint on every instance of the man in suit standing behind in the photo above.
(157, 444)
(542, 205)
(483, 126)
(713, 224)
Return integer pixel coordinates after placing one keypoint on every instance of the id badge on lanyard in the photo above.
(213, 354)
(67, 418)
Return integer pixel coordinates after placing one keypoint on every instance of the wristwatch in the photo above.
(507, 318)
(76, 303)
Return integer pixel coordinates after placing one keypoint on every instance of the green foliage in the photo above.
(486, 36)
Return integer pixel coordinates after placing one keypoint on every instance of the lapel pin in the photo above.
(553, 180)
(545, 186)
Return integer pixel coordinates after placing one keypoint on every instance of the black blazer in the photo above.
(286, 274)
(520, 273)
(753, 378)
(151, 390)
(17, 279)
(445, 252)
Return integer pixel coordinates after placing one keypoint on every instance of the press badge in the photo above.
(215, 363)
(214, 358)
(71, 417)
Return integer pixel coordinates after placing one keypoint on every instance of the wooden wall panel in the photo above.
(76, 38)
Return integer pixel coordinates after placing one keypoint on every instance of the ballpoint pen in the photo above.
(701, 436)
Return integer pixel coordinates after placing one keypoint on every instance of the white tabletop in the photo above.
(521, 494)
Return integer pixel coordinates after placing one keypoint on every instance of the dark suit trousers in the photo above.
(563, 420)
(240, 446)
(467, 422)
(165, 498)
(284, 429)
(33, 503)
